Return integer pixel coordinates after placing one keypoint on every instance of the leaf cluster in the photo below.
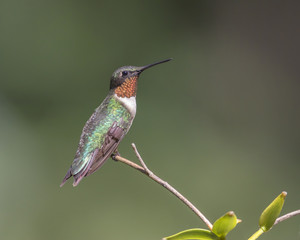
(228, 222)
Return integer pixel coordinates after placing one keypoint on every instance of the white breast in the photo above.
(129, 103)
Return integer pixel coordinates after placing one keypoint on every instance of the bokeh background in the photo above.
(220, 122)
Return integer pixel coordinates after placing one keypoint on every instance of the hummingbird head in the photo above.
(124, 79)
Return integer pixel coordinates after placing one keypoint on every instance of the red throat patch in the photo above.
(128, 88)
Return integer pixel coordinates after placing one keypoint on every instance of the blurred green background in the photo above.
(220, 122)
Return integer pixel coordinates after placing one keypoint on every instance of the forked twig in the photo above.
(145, 170)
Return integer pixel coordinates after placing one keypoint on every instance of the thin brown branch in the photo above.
(287, 216)
(145, 170)
(140, 159)
(131, 164)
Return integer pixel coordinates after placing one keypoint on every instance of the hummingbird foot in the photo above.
(114, 155)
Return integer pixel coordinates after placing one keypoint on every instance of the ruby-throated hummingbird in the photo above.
(108, 125)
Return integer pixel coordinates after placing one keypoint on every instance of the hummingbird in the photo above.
(108, 125)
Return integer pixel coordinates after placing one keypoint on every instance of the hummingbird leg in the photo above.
(116, 153)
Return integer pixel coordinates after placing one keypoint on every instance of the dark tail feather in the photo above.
(77, 179)
(68, 175)
(79, 176)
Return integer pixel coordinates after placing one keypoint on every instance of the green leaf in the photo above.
(271, 213)
(225, 224)
(195, 233)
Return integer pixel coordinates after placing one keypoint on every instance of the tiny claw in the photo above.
(114, 155)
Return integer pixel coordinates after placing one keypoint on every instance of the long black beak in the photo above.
(141, 69)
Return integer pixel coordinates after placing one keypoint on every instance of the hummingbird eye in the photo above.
(124, 73)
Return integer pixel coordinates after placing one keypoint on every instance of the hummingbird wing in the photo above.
(111, 142)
